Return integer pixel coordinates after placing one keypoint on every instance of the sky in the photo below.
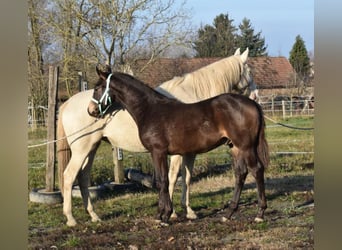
(279, 21)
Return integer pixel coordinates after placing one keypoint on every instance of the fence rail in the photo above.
(36, 116)
(288, 107)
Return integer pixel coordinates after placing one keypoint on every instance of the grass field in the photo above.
(128, 216)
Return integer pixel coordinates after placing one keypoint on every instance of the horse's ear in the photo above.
(108, 69)
(244, 55)
(103, 74)
(237, 52)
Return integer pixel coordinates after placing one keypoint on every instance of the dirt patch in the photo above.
(289, 220)
(284, 232)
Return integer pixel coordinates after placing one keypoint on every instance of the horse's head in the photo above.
(101, 100)
(246, 85)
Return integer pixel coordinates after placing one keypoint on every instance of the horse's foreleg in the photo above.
(240, 173)
(69, 176)
(161, 170)
(258, 173)
(83, 181)
(175, 163)
(187, 166)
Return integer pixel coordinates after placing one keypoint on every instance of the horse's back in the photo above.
(235, 104)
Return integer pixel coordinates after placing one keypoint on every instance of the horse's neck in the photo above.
(209, 81)
(137, 100)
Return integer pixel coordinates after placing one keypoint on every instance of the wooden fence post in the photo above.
(272, 105)
(51, 129)
(306, 106)
(291, 106)
(34, 120)
(119, 174)
(284, 110)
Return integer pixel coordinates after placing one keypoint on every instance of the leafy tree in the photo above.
(217, 40)
(247, 39)
(300, 62)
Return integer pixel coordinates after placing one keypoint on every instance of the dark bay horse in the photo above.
(168, 126)
(79, 135)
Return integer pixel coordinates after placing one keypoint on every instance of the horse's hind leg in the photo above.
(258, 173)
(83, 181)
(187, 166)
(187, 163)
(257, 170)
(175, 163)
(240, 173)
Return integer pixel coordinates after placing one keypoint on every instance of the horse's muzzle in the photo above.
(254, 95)
(93, 110)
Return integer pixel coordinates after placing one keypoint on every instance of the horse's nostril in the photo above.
(91, 112)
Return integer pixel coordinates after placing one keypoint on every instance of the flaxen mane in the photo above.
(210, 80)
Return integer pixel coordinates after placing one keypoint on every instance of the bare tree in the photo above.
(68, 22)
(128, 30)
(36, 40)
(84, 32)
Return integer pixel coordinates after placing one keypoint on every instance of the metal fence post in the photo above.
(119, 175)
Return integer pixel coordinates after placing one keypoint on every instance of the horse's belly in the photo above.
(195, 144)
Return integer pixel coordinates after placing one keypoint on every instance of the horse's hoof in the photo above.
(157, 221)
(96, 220)
(163, 224)
(174, 216)
(258, 220)
(191, 216)
(71, 223)
(224, 219)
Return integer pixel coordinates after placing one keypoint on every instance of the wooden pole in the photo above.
(284, 110)
(119, 175)
(291, 106)
(34, 119)
(51, 129)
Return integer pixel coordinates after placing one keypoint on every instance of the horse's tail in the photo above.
(63, 149)
(262, 148)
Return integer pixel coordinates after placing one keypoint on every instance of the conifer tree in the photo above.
(247, 39)
(221, 39)
(217, 40)
(299, 58)
(205, 45)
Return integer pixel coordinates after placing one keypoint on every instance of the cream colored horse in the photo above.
(231, 74)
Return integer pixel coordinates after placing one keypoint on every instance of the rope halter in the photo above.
(105, 98)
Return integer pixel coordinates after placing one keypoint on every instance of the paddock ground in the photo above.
(128, 216)
(128, 219)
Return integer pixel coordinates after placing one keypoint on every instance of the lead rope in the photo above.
(74, 133)
(285, 125)
(48, 142)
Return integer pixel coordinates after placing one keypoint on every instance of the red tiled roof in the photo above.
(271, 72)
(268, 72)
